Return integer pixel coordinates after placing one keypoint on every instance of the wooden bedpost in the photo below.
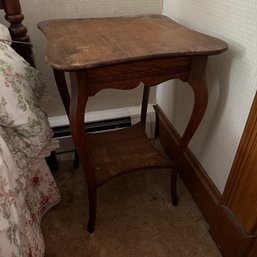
(17, 29)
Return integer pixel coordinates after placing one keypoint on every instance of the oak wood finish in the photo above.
(17, 30)
(253, 249)
(122, 151)
(239, 201)
(229, 233)
(144, 104)
(120, 53)
(91, 43)
(241, 189)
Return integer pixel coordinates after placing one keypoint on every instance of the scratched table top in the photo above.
(76, 44)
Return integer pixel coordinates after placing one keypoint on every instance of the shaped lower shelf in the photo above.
(122, 151)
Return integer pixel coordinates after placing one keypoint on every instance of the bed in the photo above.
(18, 31)
(27, 188)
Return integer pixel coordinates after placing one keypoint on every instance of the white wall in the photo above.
(231, 78)
(38, 10)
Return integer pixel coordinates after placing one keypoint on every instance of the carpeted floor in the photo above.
(135, 217)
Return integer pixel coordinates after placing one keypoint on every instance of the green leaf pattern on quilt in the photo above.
(26, 131)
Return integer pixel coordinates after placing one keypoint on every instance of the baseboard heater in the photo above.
(63, 133)
(102, 121)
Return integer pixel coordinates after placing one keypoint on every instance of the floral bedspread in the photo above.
(27, 188)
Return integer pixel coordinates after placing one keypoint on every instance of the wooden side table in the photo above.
(120, 53)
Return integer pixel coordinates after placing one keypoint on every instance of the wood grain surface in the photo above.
(87, 43)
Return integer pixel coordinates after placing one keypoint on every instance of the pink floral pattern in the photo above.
(27, 188)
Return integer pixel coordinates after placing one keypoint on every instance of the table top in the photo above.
(77, 44)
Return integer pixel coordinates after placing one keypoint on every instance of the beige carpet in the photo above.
(135, 218)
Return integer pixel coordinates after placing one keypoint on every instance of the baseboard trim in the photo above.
(229, 234)
(225, 229)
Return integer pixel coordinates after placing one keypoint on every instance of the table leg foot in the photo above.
(92, 209)
(174, 200)
(173, 187)
(76, 160)
(91, 226)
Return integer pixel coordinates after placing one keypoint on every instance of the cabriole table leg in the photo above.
(76, 118)
(197, 82)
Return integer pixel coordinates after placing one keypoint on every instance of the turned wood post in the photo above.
(17, 30)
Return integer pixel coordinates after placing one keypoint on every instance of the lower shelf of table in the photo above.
(122, 151)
